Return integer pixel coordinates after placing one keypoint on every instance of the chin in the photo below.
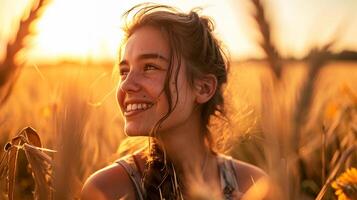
(131, 131)
(134, 134)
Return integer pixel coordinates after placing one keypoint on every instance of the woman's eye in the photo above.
(123, 72)
(150, 67)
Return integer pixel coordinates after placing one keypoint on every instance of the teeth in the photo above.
(137, 106)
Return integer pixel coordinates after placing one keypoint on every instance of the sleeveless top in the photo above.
(229, 184)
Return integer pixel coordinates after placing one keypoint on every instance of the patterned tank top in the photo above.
(229, 184)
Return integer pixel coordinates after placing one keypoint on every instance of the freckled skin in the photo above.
(149, 84)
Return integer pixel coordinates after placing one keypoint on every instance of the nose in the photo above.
(130, 83)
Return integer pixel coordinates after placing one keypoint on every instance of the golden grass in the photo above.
(284, 120)
(61, 108)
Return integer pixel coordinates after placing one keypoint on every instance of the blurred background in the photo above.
(58, 75)
(84, 29)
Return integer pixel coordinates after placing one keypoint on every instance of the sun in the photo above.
(82, 29)
(78, 29)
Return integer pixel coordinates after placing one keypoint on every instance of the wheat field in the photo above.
(73, 109)
(297, 120)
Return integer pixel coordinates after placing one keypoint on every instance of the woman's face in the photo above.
(143, 70)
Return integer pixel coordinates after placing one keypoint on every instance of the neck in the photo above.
(186, 146)
(191, 156)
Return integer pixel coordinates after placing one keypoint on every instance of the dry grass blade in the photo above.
(3, 175)
(41, 166)
(3, 165)
(40, 163)
(13, 152)
(70, 129)
(9, 69)
(32, 136)
(274, 111)
(267, 45)
(318, 59)
(4, 170)
(314, 144)
(338, 166)
(323, 154)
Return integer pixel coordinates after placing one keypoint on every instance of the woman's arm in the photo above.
(247, 175)
(91, 192)
(111, 182)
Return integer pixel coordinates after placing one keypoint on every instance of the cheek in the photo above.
(120, 98)
(153, 87)
(183, 89)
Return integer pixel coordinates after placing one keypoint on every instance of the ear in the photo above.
(205, 87)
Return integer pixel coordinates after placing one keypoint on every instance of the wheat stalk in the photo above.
(273, 56)
(70, 128)
(276, 110)
(318, 59)
(9, 68)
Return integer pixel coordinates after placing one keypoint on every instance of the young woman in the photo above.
(172, 71)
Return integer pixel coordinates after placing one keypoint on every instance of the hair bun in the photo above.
(206, 22)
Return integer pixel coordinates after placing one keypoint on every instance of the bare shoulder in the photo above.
(247, 174)
(111, 182)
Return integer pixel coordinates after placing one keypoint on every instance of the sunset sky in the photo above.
(91, 28)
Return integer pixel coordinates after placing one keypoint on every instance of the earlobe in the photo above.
(205, 88)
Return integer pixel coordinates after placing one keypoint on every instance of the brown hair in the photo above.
(191, 37)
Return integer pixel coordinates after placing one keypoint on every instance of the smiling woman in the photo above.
(172, 74)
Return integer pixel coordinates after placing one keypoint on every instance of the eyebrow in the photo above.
(146, 56)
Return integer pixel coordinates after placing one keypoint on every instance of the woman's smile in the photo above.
(132, 109)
